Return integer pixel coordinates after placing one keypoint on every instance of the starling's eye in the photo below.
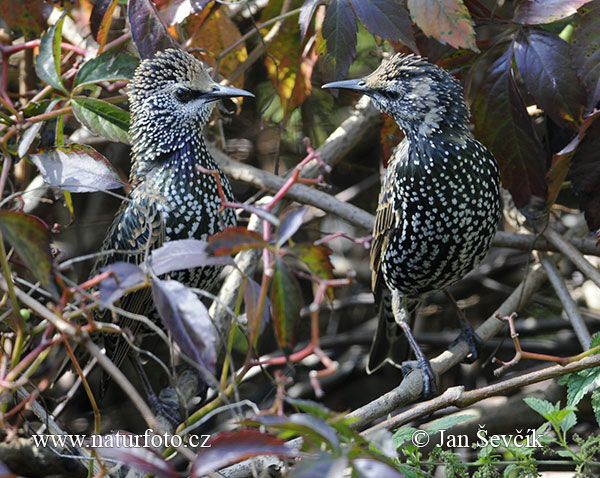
(362, 83)
(185, 95)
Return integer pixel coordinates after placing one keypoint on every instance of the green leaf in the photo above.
(285, 304)
(403, 435)
(579, 383)
(106, 67)
(595, 340)
(102, 118)
(596, 404)
(47, 63)
(316, 258)
(77, 168)
(543, 407)
(445, 423)
(308, 406)
(30, 133)
(31, 241)
(568, 422)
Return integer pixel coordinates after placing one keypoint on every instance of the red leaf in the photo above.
(533, 12)
(230, 447)
(100, 20)
(26, 16)
(285, 305)
(31, 241)
(233, 240)
(448, 21)
(503, 125)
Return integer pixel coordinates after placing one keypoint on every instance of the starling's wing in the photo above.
(389, 343)
(138, 227)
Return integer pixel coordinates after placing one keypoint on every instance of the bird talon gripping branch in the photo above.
(439, 203)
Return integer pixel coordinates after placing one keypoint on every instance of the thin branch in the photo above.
(567, 301)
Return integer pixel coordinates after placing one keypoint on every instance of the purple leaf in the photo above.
(290, 224)
(127, 448)
(184, 254)
(251, 294)
(339, 32)
(148, 31)
(77, 168)
(125, 277)
(306, 14)
(535, 12)
(186, 317)
(503, 125)
(586, 51)
(387, 19)
(371, 468)
(230, 447)
(101, 18)
(552, 82)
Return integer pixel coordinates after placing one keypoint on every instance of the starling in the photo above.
(439, 203)
(171, 98)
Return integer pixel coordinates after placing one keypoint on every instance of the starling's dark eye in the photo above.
(185, 95)
(362, 83)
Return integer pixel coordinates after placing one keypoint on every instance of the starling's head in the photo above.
(421, 97)
(171, 97)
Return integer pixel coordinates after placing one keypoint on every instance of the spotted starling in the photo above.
(171, 99)
(439, 203)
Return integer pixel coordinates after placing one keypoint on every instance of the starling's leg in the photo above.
(467, 334)
(429, 388)
(166, 409)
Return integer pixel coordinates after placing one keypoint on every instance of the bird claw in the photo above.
(429, 386)
(474, 342)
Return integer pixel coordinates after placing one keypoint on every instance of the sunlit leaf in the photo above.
(233, 240)
(316, 258)
(306, 14)
(230, 447)
(124, 447)
(77, 168)
(285, 305)
(186, 317)
(106, 67)
(124, 277)
(47, 62)
(503, 125)
(148, 31)
(337, 47)
(448, 21)
(214, 34)
(101, 18)
(534, 12)
(540, 56)
(31, 241)
(184, 254)
(102, 118)
(25, 16)
(388, 19)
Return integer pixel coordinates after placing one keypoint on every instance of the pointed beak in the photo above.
(354, 85)
(222, 91)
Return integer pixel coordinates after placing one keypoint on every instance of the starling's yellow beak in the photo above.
(222, 91)
(355, 85)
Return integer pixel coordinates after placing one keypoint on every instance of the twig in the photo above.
(572, 254)
(567, 301)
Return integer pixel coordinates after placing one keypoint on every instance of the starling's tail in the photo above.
(390, 343)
